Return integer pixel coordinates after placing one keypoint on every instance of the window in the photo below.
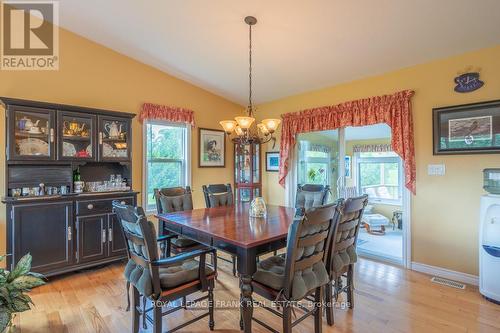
(314, 164)
(166, 164)
(380, 176)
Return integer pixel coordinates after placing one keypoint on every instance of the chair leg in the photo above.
(330, 319)
(156, 319)
(144, 323)
(128, 296)
(318, 322)
(211, 322)
(136, 317)
(214, 262)
(287, 318)
(350, 283)
(234, 265)
(168, 248)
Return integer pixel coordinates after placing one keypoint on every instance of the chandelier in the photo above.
(241, 126)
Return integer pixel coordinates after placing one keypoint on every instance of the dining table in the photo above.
(231, 229)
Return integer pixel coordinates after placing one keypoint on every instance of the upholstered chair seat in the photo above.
(271, 273)
(182, 241)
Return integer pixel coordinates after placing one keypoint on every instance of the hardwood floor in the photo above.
(387, 299)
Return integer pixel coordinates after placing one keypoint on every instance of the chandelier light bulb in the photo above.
(238, 131)
(271, 124)
(228, 126)
(245, 122)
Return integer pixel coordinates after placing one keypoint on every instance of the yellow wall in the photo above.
(445, 209)
(94, 76)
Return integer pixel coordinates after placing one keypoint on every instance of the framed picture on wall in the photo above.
(272, 161)
(211, 148)
(348, 166)
(467, 129)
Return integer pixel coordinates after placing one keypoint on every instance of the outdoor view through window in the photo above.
(166, 165)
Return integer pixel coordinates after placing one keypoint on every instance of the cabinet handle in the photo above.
(104, 235)
(90, 206)
(110, 234)
(100, 138)
(70, 233)
(51, 135)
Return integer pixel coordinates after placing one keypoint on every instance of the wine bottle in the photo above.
(76, 175)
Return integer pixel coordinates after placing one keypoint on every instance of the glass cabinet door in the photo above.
(114, 138)
(76, 136)
(243, 164)
(31, 134)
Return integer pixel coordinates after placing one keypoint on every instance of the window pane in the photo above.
(380, 180)
(163, 174)
(317, 173)
(165, 141)
(391, 174)
(369, 174)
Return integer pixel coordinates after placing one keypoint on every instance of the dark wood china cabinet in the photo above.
(247, 172)
(63, 230)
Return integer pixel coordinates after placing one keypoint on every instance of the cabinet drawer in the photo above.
(99, 206)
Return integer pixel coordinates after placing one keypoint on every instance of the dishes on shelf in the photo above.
(33, 147)
(108, 151)
(69, 149)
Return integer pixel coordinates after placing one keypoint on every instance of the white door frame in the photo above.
(291, 185)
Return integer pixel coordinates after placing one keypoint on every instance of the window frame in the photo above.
(185, 163)
(384, 159)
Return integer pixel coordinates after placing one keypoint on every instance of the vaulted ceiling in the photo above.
(298, 45)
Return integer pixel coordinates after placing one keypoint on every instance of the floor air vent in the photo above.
(449, 283)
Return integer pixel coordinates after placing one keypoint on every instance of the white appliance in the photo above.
(489, 247)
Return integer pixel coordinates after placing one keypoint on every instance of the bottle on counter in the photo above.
(76, 175)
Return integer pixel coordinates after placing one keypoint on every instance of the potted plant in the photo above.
(13, 286)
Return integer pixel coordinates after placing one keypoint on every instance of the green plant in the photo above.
(13, 286)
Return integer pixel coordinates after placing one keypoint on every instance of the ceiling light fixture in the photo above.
(242, 126)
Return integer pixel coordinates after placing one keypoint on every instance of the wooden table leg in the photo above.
(246, 268)
(246, 302)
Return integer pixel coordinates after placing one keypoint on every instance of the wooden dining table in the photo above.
(232, 230)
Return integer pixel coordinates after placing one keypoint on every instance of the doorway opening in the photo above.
(354, 161)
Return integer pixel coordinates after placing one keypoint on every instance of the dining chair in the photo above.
(217, 195)
(301, 272)
(311, 195)
(169, 200)
(342, 252)
(161, 280)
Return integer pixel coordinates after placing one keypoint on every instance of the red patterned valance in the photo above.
(394, 110)
(169, 113)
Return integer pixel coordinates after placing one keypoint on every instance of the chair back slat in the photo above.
(308, 262)
(217, 195)
(311, 195)
(342, 251)
(308, 238)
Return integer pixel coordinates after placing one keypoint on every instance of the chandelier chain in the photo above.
(250, 106)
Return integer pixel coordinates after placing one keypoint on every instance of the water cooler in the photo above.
(489, 237)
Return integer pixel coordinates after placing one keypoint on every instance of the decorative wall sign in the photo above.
(212, 148)
(468, 82)
(467, 129)
(272, 161)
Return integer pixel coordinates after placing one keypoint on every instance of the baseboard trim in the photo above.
(445, 273)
